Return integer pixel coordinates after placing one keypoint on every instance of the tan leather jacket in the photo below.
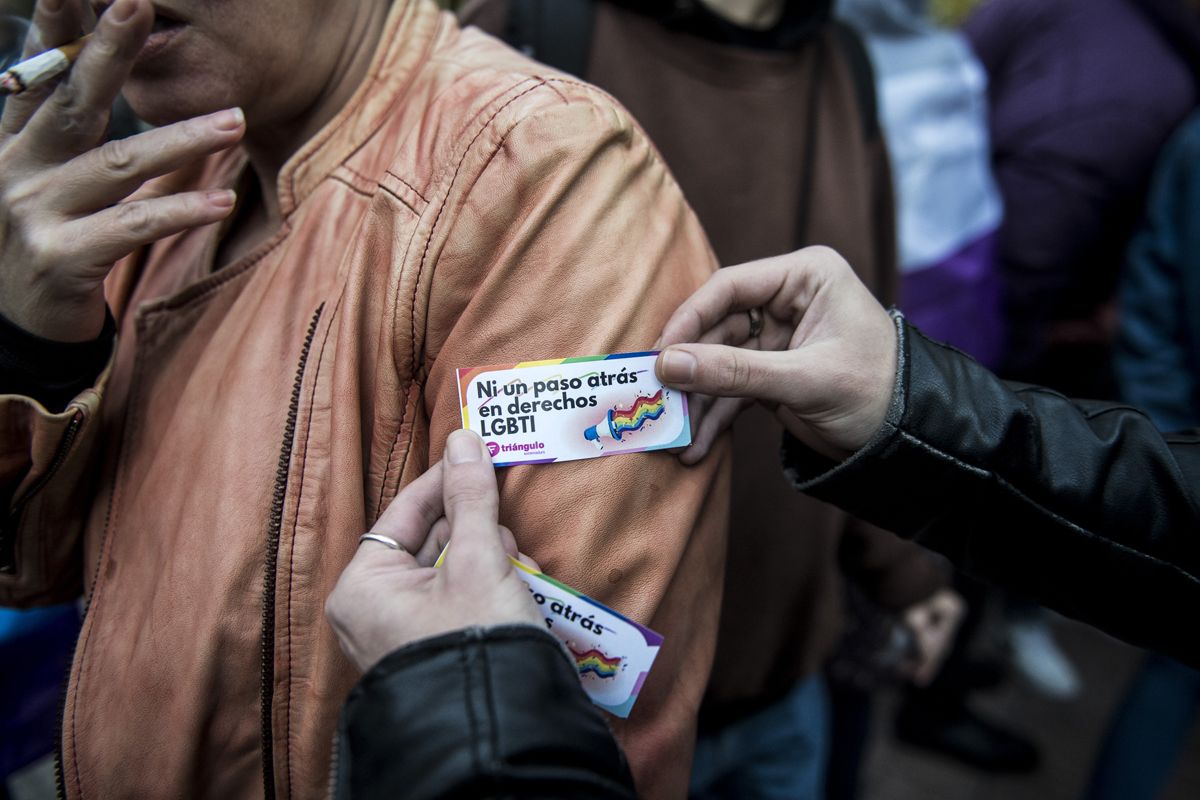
(466, 207)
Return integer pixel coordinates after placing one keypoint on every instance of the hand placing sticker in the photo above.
(387, 598)
(798, 333)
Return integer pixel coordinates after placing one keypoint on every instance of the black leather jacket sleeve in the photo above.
(1083, 506)
(494, 712)
(52, 373)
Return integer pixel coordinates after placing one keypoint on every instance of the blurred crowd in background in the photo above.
(1020, 177)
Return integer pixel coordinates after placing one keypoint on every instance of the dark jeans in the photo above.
(1147, 732)
(777, 754)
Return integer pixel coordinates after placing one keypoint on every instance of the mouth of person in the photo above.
(166, 26)
(164, 23)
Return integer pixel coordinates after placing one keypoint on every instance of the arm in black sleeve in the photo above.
(494, 712)
(1084, 506)
(51, 373)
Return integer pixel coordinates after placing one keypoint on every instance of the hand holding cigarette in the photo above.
(69, 204)
(41, 68)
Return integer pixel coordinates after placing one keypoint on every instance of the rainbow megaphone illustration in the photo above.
(619, 421)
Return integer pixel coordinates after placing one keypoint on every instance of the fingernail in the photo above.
(463, 447)
(228, 120)
(121, 10)
(678, 366)
(221, 197)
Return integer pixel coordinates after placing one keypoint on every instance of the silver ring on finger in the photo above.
(756, 322)
(386, 541)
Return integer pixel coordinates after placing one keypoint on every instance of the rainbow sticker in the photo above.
(538, 412)
(612, 653)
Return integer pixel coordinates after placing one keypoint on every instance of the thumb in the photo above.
(472, 503)
(724, 371)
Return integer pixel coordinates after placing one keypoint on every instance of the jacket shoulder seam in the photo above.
(442, 205)
(537, 83)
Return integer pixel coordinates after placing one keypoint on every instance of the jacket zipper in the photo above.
(334, 755)
(8, 535)
(274, 529)
(60, 779)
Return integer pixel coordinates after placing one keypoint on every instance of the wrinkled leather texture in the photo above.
(466, 207)
(495, 712)
(1081, 505)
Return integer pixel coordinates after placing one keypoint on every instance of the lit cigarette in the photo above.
(41, 68)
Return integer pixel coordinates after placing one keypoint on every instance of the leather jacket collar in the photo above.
(412, 29)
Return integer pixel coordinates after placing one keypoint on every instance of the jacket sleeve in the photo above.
(472, 714)
(48, 399)
(573, 239)
(1084, 506)
(52, 373)
(1155, 360)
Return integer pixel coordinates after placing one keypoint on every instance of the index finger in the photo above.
(74, 118)
(730, 290)
(412, 514)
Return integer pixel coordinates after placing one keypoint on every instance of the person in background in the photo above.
(765, 112)
(1158, 370)
(933, 112)
(1083, 95)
